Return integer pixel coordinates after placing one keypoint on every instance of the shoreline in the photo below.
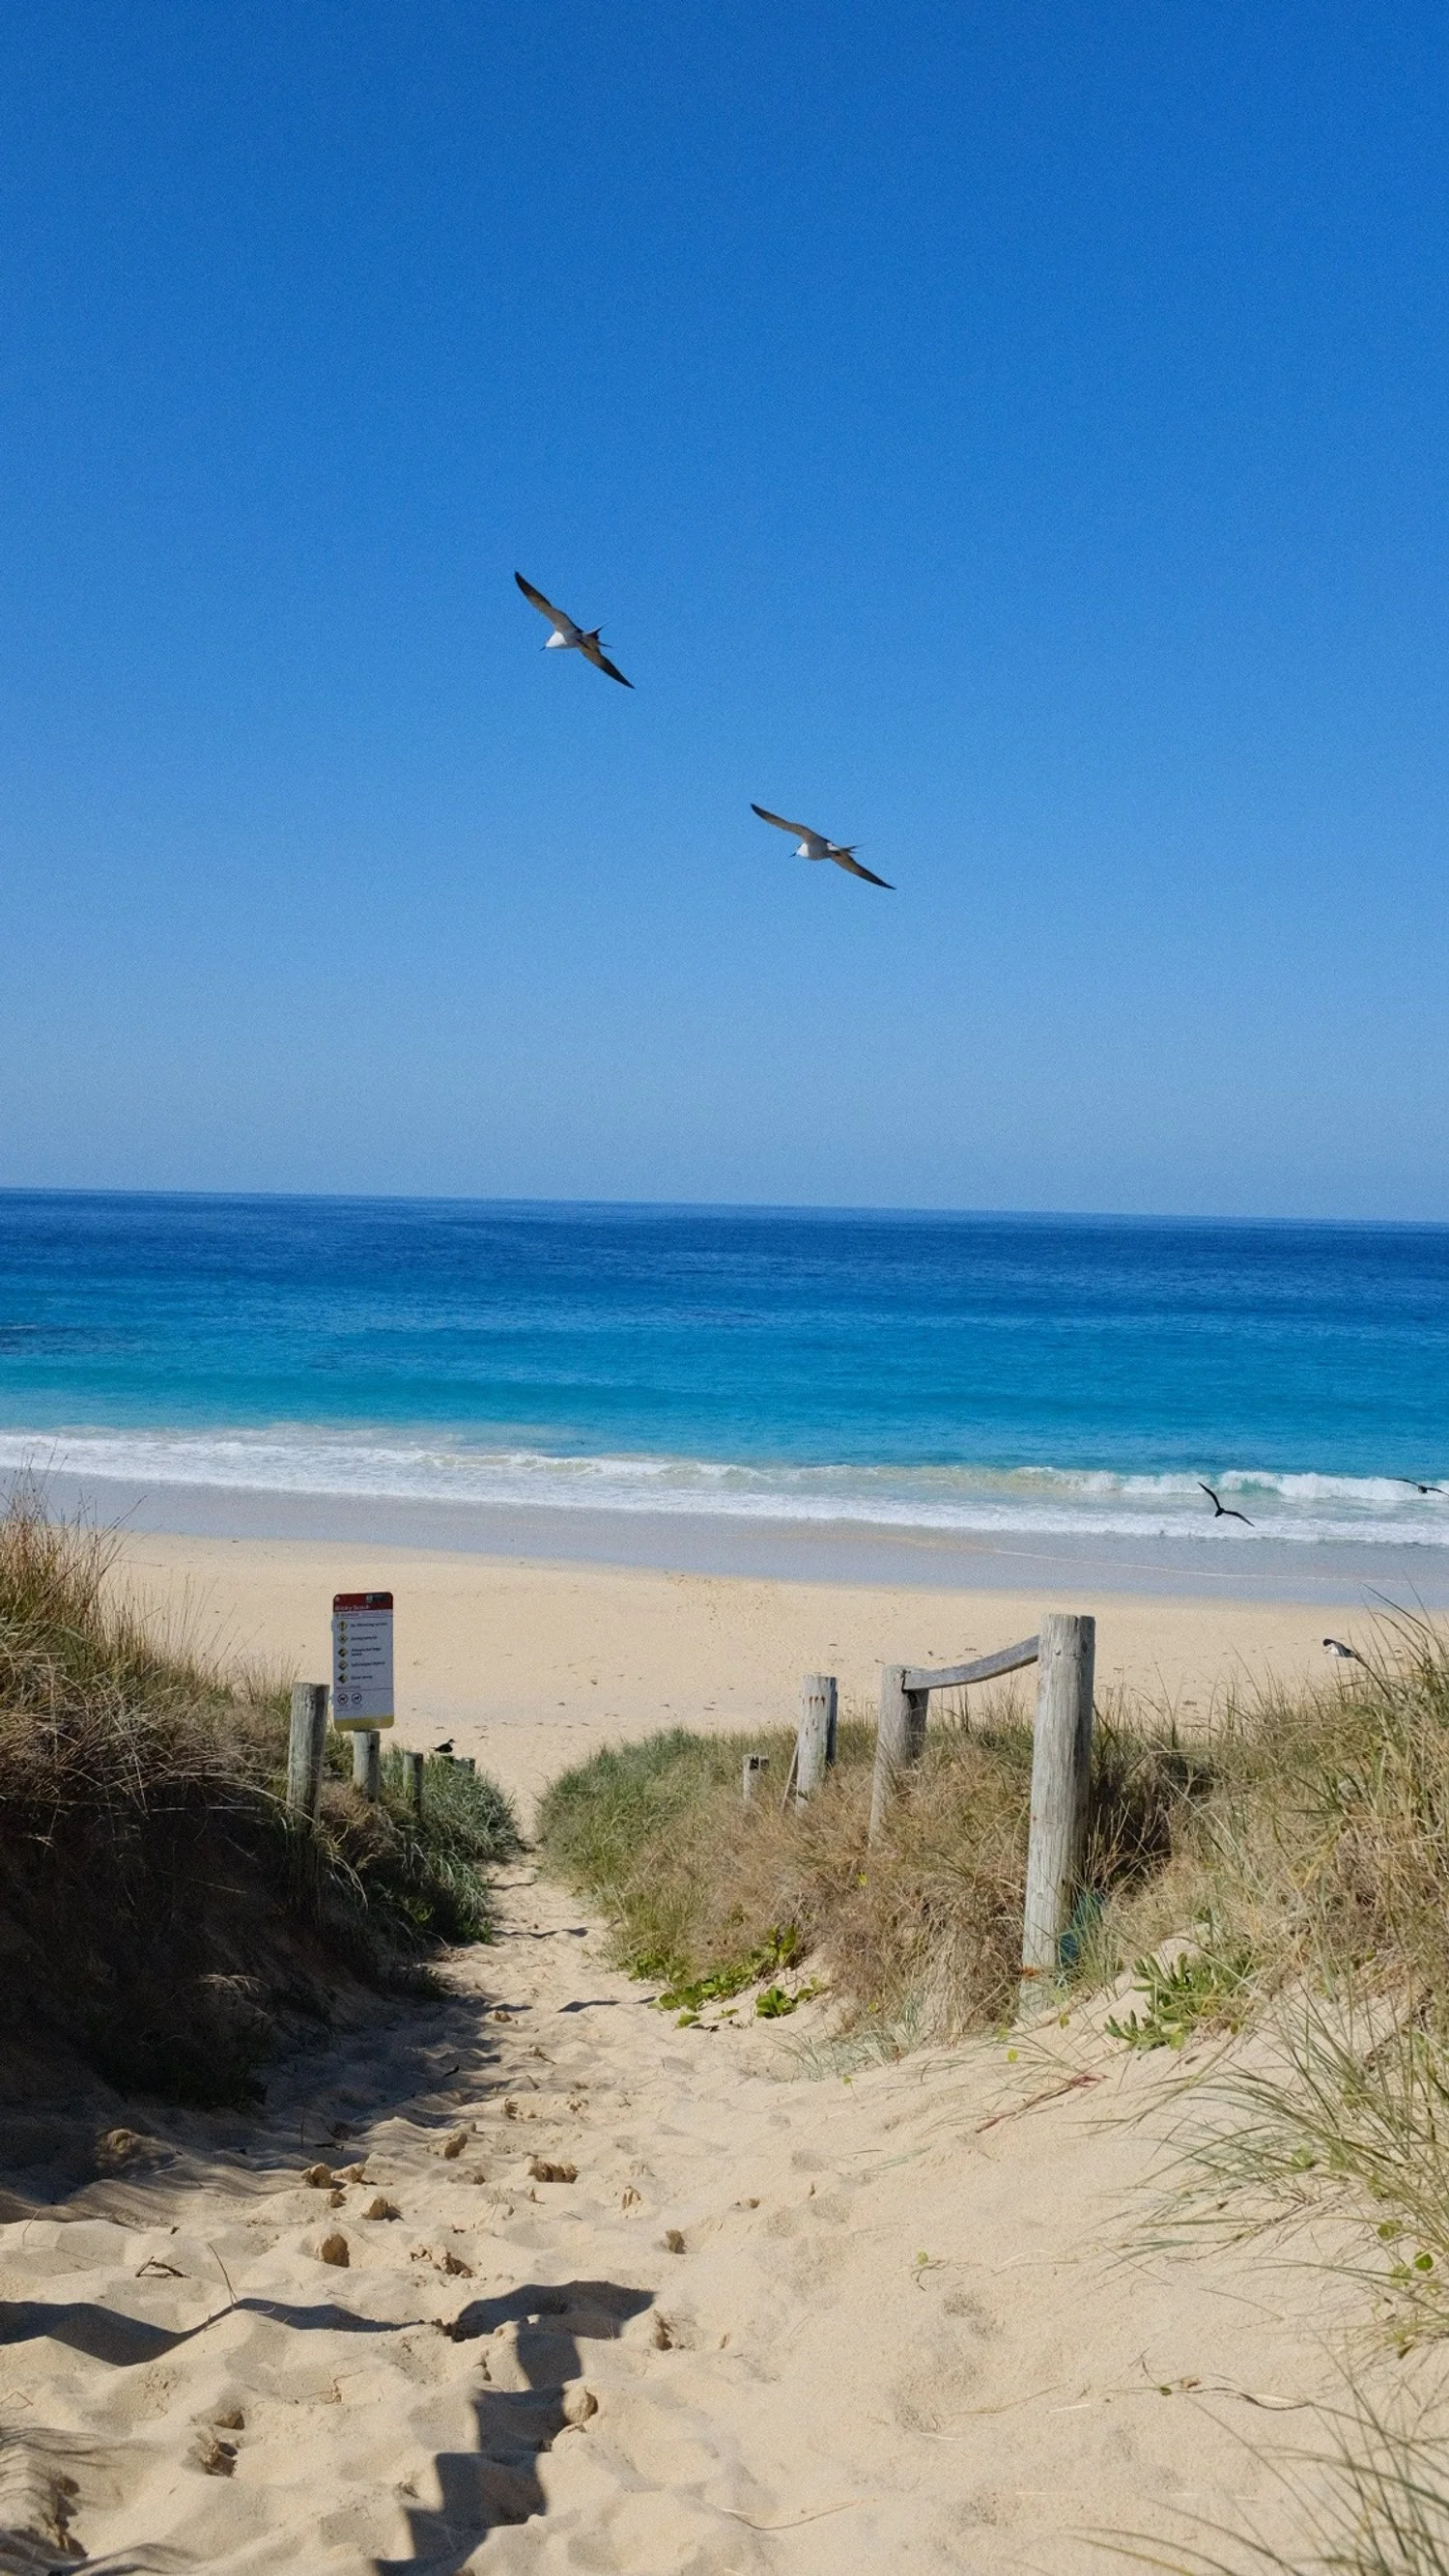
(532, 1664)
(1224, 1566)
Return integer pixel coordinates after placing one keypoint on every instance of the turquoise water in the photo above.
(959, 1373)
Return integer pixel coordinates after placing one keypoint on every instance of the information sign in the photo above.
(362, 1659)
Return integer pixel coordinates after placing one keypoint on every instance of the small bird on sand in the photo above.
(814, 845)
(1418, 1488)
(1223, 1511)
(444, 1748)
(1336, 1646)
(567, 637)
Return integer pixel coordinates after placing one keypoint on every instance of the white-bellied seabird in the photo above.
(567, 637)
(814, 845)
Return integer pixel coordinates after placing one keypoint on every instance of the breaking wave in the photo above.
(298, 1459)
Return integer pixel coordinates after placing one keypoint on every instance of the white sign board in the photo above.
(362, 1659)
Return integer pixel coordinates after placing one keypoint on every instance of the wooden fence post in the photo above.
(367, 1760)
(1061, 1768)
(413, 1779)
(305, 1748)
(899, 1736)
(815, 1743)
(756, 1765)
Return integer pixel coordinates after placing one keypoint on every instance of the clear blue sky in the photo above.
(1011, 437)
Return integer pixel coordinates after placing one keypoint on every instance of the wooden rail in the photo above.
(1009, 1659)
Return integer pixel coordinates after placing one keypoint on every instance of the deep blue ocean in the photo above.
(966, 1373)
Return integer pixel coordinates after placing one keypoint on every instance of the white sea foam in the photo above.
(300, 1459)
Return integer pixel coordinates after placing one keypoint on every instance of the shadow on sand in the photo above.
(499, 2482)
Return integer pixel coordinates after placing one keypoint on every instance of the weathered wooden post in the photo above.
(815, 1743)
(413, 1779)
(1061, 1770)
(467, 1762)
(899, 1736)
(756, 1765)
(305, 1748)
(366, 1760)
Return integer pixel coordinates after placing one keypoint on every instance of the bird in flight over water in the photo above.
(814, 845)
(1222, 1511)
(1418, 1488)
(567, 637)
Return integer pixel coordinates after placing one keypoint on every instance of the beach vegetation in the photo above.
(920, 1931)
(162, 1918)
(1297, 1841)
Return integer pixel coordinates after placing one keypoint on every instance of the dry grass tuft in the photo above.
(922, 1932)
(154, 1918)
(1299, 1836)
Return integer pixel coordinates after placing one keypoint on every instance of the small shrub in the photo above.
(1196, 1992)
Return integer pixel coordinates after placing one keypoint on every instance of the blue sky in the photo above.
(1013, 438)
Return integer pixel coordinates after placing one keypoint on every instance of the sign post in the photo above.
(362, 1659)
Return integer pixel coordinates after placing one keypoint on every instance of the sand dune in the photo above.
(771, 2323)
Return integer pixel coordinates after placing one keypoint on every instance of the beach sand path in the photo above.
(652, 2299)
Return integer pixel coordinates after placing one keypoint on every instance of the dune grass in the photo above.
(1300, 1838)
(1376, 2503)
(161, 1916)
(922, 1931)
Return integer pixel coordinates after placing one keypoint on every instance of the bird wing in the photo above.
(848, 859)
(1207, 1489)
(593, 652)
(561, 624)
(815, 842)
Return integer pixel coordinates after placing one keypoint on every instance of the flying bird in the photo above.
(1223, 1511)
(1336, 1645)
(814, 845)
(567, 637)
(1418, 1488)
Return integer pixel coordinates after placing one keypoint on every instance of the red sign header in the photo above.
(361, 1601)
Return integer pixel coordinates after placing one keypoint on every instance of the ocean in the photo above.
(992, 1381)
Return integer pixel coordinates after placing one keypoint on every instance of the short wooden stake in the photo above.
(815, 1743)
(366, 1760)
(1061, 1771)
(467, 1762)
(900, 1736)
(305, 1748)
(413, 1779)
(756, 1765)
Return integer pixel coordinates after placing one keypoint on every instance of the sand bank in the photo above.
(531, 1666)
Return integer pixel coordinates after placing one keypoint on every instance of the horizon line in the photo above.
(821, 1208)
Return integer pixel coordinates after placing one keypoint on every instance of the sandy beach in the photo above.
(527, 2275)
(532, 1666)
(592, 2292)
